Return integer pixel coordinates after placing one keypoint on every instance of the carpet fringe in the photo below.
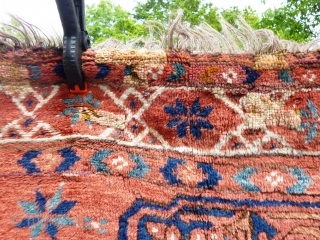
(242, 38)
(175, 36)
(25, 35)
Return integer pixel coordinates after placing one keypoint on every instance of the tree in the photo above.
(295, 20)
(107, 20)
(308, 13)
(195, 12)
(233, 13)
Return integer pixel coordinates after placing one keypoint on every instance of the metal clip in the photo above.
(75, 41)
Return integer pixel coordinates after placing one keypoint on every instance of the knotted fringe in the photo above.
(26, 35)
(205, 39)
(176, 35)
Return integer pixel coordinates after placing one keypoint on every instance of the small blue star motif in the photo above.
(75, 103)
(56, 210)
(195, 117)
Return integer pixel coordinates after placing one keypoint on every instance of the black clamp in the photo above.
(75, 41)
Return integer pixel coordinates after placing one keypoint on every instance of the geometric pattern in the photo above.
(164, 145)
(278, 120)
(173, 170)
(175, 225)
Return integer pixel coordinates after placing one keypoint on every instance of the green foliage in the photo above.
(285, 26)
(12, 28)
(233, 13)
(107, 20)
(295, 20)
(308, 14)
(307, 10)
(195, 12)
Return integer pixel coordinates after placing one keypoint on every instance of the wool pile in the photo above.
(164, 145)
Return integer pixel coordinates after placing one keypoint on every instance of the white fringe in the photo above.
(26, 35)
(204, 39)
(176, 36)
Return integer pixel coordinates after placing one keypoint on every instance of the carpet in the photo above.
(165, 145)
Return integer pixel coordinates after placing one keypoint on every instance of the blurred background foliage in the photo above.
(297, 20)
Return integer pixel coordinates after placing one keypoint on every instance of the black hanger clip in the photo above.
(75, 41)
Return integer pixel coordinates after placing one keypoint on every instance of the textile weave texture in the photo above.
(165, 145)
